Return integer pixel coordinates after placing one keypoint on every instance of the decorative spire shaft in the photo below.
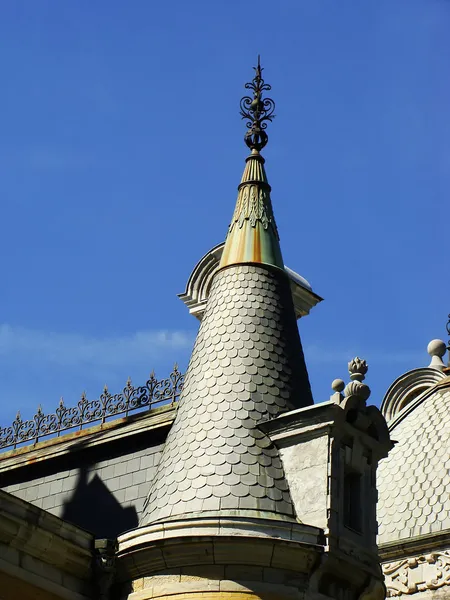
(447, 368)
(252, 235)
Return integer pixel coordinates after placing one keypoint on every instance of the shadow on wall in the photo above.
(93, 507)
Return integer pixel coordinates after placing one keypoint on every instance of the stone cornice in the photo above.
(219, 539)
(45, 537)
(320, 419)
(11, 574)
(422, 543)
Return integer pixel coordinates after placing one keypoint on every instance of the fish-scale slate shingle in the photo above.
(247, 365)
(414, 481)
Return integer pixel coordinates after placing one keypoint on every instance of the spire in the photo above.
(257, 111)
(252, 235)
(247, 366)
(447, 368)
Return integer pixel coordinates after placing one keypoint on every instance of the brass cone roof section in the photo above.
(253, 236)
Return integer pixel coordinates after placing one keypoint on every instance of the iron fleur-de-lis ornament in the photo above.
(257, 110)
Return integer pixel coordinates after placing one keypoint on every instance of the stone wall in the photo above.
(98, 482)
(116, 485)
(220, 582)
(306, 467)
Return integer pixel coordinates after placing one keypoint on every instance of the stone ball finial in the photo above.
(357, 369)
(337, 385)
(436, 349)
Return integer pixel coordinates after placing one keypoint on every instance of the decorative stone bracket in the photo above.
(352, 398)
(105, 567)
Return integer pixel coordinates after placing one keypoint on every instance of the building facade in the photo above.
(228, 482)
(414, 482)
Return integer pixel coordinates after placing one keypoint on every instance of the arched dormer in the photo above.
(413, 384)
(409, 387)
(199, 285)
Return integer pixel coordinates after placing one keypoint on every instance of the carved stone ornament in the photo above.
(358, 369)
(416, 574)
(105, 566)
(356, 389)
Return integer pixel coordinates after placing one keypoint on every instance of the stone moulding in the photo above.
(44, 536)
(199, 284)
(218, 539)
(417, 573)
(44, 551)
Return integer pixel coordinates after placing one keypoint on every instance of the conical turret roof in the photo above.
(247, 366)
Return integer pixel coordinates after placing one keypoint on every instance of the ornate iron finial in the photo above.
(257, 111)
(447, 368)
(448, 332)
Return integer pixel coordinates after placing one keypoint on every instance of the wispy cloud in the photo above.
(143, 347)
(77, 350)
(316, 354)
(37, 367)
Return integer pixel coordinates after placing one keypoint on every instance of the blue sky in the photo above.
(121, 148)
